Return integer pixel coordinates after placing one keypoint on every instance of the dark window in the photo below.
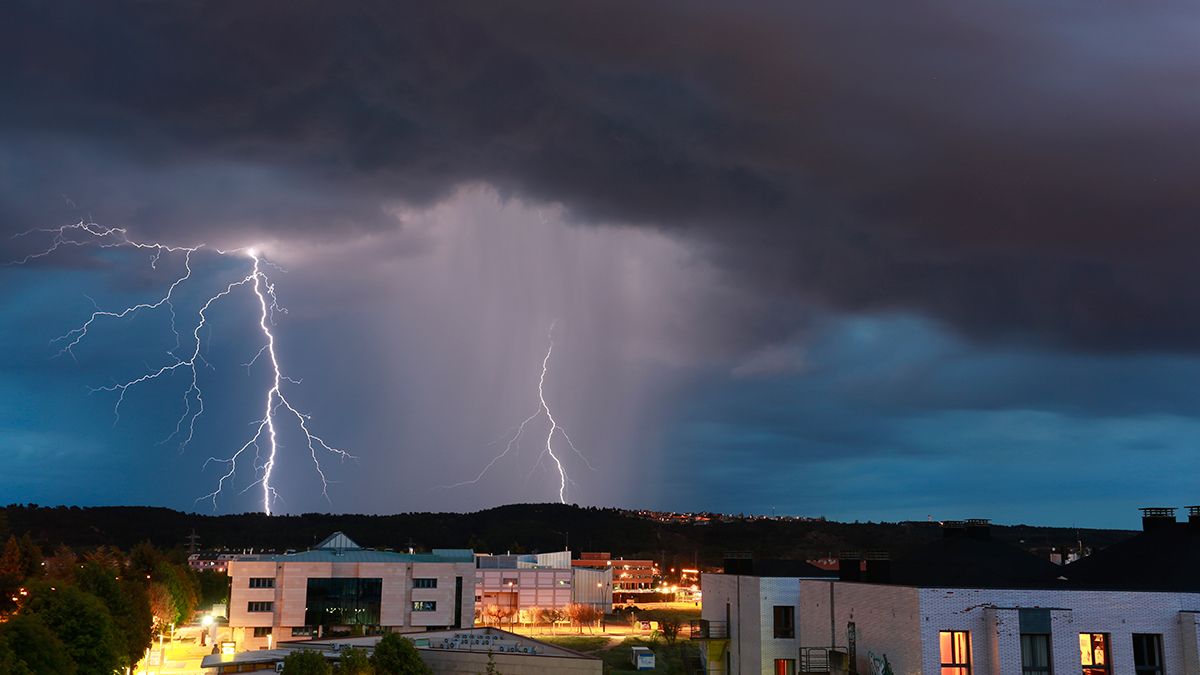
(424, 583)
(260, 606)
(1147, 654)
(955, 647)
(424, 606)
(262, 631)
(342, 602)
(299, 631)
(785, 621)
(1035, 654)
(1094, 654)
(262, 582)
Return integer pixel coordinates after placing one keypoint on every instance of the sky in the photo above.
(920, 261)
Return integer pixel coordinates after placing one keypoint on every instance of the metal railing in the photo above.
(703, 629)
(823, 660)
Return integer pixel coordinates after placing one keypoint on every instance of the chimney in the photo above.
(1157, 518)
(978, 528)
(850, 566)
(879, 567)
(1193, 517)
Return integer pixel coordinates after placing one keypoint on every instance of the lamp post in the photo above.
(206, 623)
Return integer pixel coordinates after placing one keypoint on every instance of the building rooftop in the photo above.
(1164, 557)
(337, 547)
(776, 568)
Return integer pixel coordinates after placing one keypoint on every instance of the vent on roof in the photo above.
(1156, 517)
(1194, 517)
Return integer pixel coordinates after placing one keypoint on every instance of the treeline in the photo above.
(92, 612)
(516, 528)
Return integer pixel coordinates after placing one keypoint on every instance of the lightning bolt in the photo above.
(265, 439)
(548, 449)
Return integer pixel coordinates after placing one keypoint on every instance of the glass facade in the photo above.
(343, 602)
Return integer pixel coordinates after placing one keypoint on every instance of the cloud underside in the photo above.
(1020, 170)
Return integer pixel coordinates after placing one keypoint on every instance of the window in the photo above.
(262, 582)
(424, 583)
(1147, 654)
(1035, 654)
(424, 605)
(955, 646)
(260, 606)
(342, 601)
(785, 621)
(785, 666)
(1094, 654)
(300, 631)
(564, 582)
(262, 631)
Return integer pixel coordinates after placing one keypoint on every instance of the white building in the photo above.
(340, 587)
(970, 605)
(750, 613)
(545, 580)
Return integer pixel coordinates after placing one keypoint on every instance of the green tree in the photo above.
(31, 556)
(306, 662)
(28, 646)
(128, 603)
(395, 655)
(354, 662)
(11, 574)
(83, 624)
(214, 588)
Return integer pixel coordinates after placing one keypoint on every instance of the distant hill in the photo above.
(516, 528)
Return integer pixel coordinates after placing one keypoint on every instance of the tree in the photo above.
(550, 615)
(83, 624)
(162, 606)
(61, 566)
(28, 646)
(31, 556)
(306, 662)
(11, 575)
(669, 627)
(395, 655)
(583, 614)
(354, 662)
(127, 603)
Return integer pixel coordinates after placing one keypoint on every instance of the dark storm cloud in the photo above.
(1018, 169)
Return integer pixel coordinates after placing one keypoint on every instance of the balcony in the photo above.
(820, 660)
(703, 629)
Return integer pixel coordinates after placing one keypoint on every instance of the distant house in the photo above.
(968, 604)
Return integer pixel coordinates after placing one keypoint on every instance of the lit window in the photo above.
(955, 646)
(424, 605)
(1094, 654)
(1147, 654)
(1035, 654)
(785, 666)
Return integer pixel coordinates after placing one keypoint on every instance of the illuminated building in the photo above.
(629, 577)
(520, 583)
(340, 587)
(968, 605)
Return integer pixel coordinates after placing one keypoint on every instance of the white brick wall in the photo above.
(886, 621)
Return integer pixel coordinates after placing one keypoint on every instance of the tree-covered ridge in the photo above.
(516, 528)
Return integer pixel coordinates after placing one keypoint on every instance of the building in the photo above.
(211, 561)
(630, 577)
(448, 652)
(521, 583)
(340, 587)
(750, 613)
(968, 604)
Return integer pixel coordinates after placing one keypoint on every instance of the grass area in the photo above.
(616, 655)
(580, 643)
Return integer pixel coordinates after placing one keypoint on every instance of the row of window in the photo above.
(417, 606)
(1095, 653)
(269, 582)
